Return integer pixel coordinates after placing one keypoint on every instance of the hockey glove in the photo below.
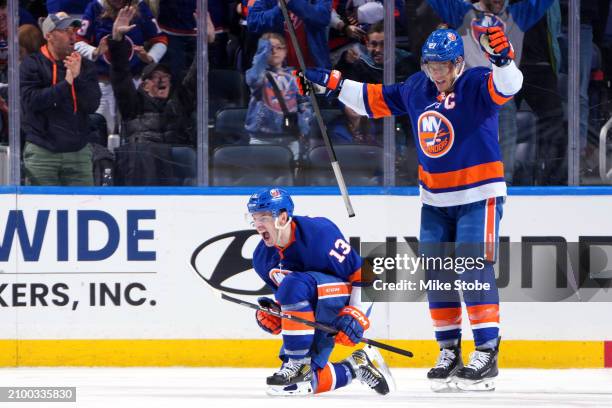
(351, 323)
(497, 47)
(268, 322)
(332, 80)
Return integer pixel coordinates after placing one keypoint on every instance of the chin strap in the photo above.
(280, 228)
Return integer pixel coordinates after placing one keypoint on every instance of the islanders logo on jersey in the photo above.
(287, 87)
(277, 275)
(481, 22)
(436, 134)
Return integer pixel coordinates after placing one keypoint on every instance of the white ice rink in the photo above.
(225, 388)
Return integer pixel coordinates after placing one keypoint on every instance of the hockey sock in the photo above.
(332, 376)
(483, 308)
(446, 317)
(297, 337)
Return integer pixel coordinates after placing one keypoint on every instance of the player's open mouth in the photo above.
(265, 235)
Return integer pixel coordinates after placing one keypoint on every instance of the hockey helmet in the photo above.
(274, 200)
(442, 45)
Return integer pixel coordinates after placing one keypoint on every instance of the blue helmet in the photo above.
(273, 199)
(442, 45)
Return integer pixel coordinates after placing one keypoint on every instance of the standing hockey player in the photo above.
(461, 175)
(315, 275)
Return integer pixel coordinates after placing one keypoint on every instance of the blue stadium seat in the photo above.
(252, 165)
(362, 165)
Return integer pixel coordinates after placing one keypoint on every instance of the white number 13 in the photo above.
(344, 247)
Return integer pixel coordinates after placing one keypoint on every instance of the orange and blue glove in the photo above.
(265, 320)
(497, 47)
(332, 80)
(351, 324)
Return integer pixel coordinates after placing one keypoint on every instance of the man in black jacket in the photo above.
(156, 119)
(58, 92)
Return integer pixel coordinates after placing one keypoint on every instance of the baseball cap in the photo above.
(147, 72)
(59, 21)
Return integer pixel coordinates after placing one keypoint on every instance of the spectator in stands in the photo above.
(25, 19)
(368, 67)
(276, 108)
(156, 118)
(30, 40)
(217, 51)
(92, 44)
(59, 90)
(177, 22)
(471, 20)
(76, 8)
(540, 67)
(350, 20)
(311, 20)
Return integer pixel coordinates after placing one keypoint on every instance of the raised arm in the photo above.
(373, 100)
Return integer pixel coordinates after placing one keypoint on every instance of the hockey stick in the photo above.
(315, 107)
(319, 326)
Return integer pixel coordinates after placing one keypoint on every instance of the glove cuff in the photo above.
(335, 80)
(356, 314)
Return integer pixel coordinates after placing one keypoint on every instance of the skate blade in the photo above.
(379, 362)
(298, 390)
(446, 385)
(487, 384)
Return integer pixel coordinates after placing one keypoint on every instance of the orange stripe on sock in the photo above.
(445, 316)
(293, 325)
(483, 314)
(325, 379)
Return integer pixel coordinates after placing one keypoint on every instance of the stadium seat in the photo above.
(229, 127)
(252, 165)
(226, 89)
(362, 165)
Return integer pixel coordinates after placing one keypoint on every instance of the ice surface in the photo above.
(227, 387)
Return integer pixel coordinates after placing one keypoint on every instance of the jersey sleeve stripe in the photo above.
(463, 177)
(159, 39)
(496, 96)
(376, 103)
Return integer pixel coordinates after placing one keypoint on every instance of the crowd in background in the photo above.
(108, 99)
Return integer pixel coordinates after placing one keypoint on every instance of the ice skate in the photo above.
(442, 374)
(293, 378)
(480, 373)
(370, 368)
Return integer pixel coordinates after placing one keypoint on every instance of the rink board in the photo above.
(105, 280)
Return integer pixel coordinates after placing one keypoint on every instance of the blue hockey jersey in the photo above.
(456, 134)
(95, 26)
(316, 245)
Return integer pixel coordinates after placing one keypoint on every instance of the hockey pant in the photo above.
(462, 232)
(317, 297)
